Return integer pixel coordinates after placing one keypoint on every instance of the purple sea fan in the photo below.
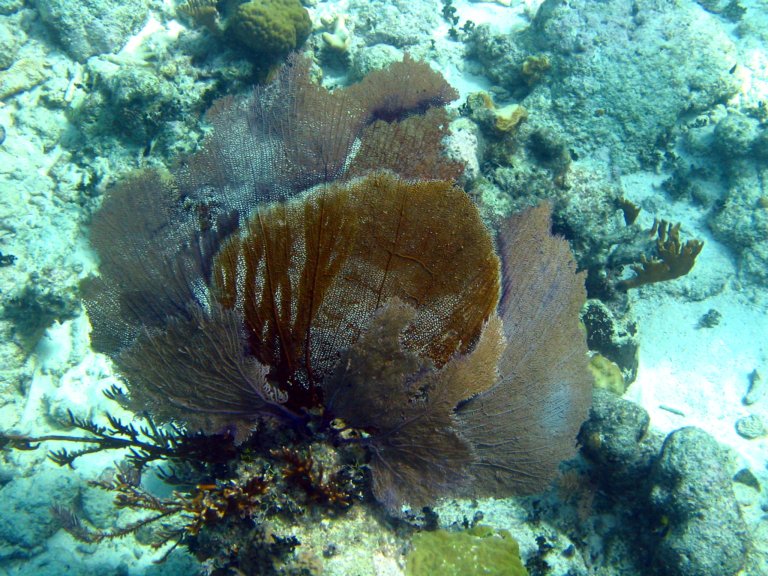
(525, 424)
(308, 265)
(495, 420)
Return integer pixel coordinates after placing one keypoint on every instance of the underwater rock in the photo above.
(616, 441)
(751, 427)
(587, 212)
(10, 40)
(10, 6)
(760, 146)
(88, 28)
(735, 135)
(501, 57)
(677, 495)
(615, 338)
(692, 492)
(25, 522)
(643, 68)
(23, 75)
(366, 60)
(139, 102)
(45, 298)
(742, 224)
(398, 23)
(462, 145)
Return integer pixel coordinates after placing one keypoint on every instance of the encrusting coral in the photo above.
(313, 276)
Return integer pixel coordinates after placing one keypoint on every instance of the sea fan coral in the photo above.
(308, 266)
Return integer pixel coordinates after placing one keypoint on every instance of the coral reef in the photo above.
(309, 289)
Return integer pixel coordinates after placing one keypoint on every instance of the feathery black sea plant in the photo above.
(314, 263)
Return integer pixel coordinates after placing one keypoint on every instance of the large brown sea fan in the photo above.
(315, 261)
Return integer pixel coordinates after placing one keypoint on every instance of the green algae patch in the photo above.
(607, 374)
(478, 551)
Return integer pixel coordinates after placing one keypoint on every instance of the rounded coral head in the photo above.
(271, 28)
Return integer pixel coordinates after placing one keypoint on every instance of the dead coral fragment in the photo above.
(340, 39)
(672, 261)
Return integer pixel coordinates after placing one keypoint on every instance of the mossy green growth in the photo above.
(478, 551)
(607, 374)
(271, 28)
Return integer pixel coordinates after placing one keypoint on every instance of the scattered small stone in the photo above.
(755, 389)
(671, 410)
(710, 319)
(7, 259)
(745, 476)
(751, 427)
(330, 550)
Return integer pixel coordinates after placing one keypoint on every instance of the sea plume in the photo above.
(316, 263)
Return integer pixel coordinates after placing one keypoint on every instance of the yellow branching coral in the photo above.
(673, 258)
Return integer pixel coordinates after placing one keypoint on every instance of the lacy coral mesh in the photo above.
(309, 274)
